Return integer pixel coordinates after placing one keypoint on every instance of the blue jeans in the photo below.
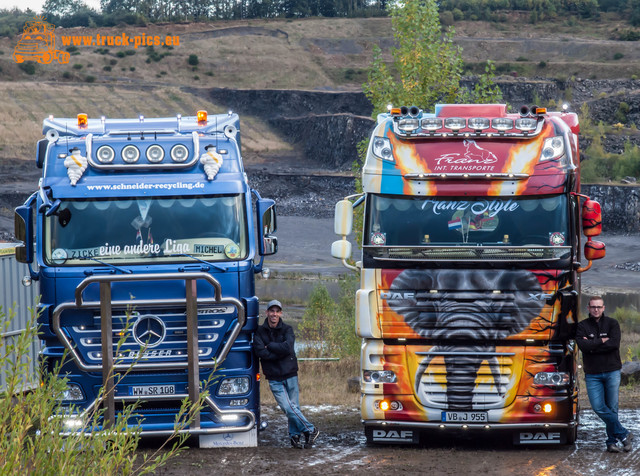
(603, 394)
(287, 395)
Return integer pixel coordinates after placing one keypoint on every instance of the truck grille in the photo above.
(465, 378)
(149, 336)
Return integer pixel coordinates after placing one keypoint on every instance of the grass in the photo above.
(322, 383)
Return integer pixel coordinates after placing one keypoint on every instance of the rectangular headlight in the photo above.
(73, 393)
(379, 376)
(234, 386)
(551, 379)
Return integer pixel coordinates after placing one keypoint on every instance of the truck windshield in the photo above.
(445, 221)
(147, 230)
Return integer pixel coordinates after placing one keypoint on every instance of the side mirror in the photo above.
(594, 250)
(591, 218)
(341, 249)
(343, 220)
(267, 224)
(23, 229)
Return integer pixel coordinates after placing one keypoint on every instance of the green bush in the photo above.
(28, 67)
(35, 439)
(193, 60)
(90, 79)
(77, 66)
(629, 319)
(618, 56)
(327, 327)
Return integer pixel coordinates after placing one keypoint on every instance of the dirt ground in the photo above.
(341, 449)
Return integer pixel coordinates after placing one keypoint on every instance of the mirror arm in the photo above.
(585, 268)
(349, 266)
(258, 267)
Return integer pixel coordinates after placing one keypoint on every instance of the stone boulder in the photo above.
(630, 372)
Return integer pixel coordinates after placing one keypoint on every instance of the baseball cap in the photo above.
(274, 302)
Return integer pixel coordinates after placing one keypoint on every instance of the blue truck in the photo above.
(143, 241)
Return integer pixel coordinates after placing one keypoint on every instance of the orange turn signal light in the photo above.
(202, 116)
(83, 120)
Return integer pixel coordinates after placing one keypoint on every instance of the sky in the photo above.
(36, 5)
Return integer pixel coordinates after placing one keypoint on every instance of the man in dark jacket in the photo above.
(274, 343)
(598, 337)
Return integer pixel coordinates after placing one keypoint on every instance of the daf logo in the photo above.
(397, 295)
(149, 331)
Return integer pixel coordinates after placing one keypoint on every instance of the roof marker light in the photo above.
(141, 117)
(83, 120)
(431, 123)
(479, 123)
(455, 123)
(502, 123)
(527, 124)
(202, 116)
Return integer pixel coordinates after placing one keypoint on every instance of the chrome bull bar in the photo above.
(108, 367)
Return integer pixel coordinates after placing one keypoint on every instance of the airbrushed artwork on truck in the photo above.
(454, 307)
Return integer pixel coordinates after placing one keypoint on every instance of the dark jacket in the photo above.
(599, 356)
(275, 347)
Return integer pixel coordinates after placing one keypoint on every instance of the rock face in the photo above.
(620, 206)
(330, 139)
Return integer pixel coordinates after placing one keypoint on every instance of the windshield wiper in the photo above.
(117, 268)
(220, 268)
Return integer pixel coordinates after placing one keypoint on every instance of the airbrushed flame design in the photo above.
(522, 160)
(409, 161)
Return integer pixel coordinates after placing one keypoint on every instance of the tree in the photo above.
(63, 8)
(428, 65)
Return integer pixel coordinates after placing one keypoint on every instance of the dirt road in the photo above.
(341, 449)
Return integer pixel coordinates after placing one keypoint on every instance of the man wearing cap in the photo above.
(274, 343)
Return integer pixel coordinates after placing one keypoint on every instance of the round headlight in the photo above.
(105, 154)
(130, 154)
(155, 153)
(179, 153)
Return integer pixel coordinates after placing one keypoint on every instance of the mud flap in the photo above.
(538, 437)
(402, 436)
(246, 439)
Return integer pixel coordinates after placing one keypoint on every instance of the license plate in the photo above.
(465, 417)
(146, 390)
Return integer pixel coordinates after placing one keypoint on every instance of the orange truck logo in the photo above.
(38, 43)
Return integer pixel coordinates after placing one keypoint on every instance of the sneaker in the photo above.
(614, 448)
(626, 443)
(310, 438)
(295, 442)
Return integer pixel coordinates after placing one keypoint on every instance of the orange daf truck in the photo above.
(472, 250)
